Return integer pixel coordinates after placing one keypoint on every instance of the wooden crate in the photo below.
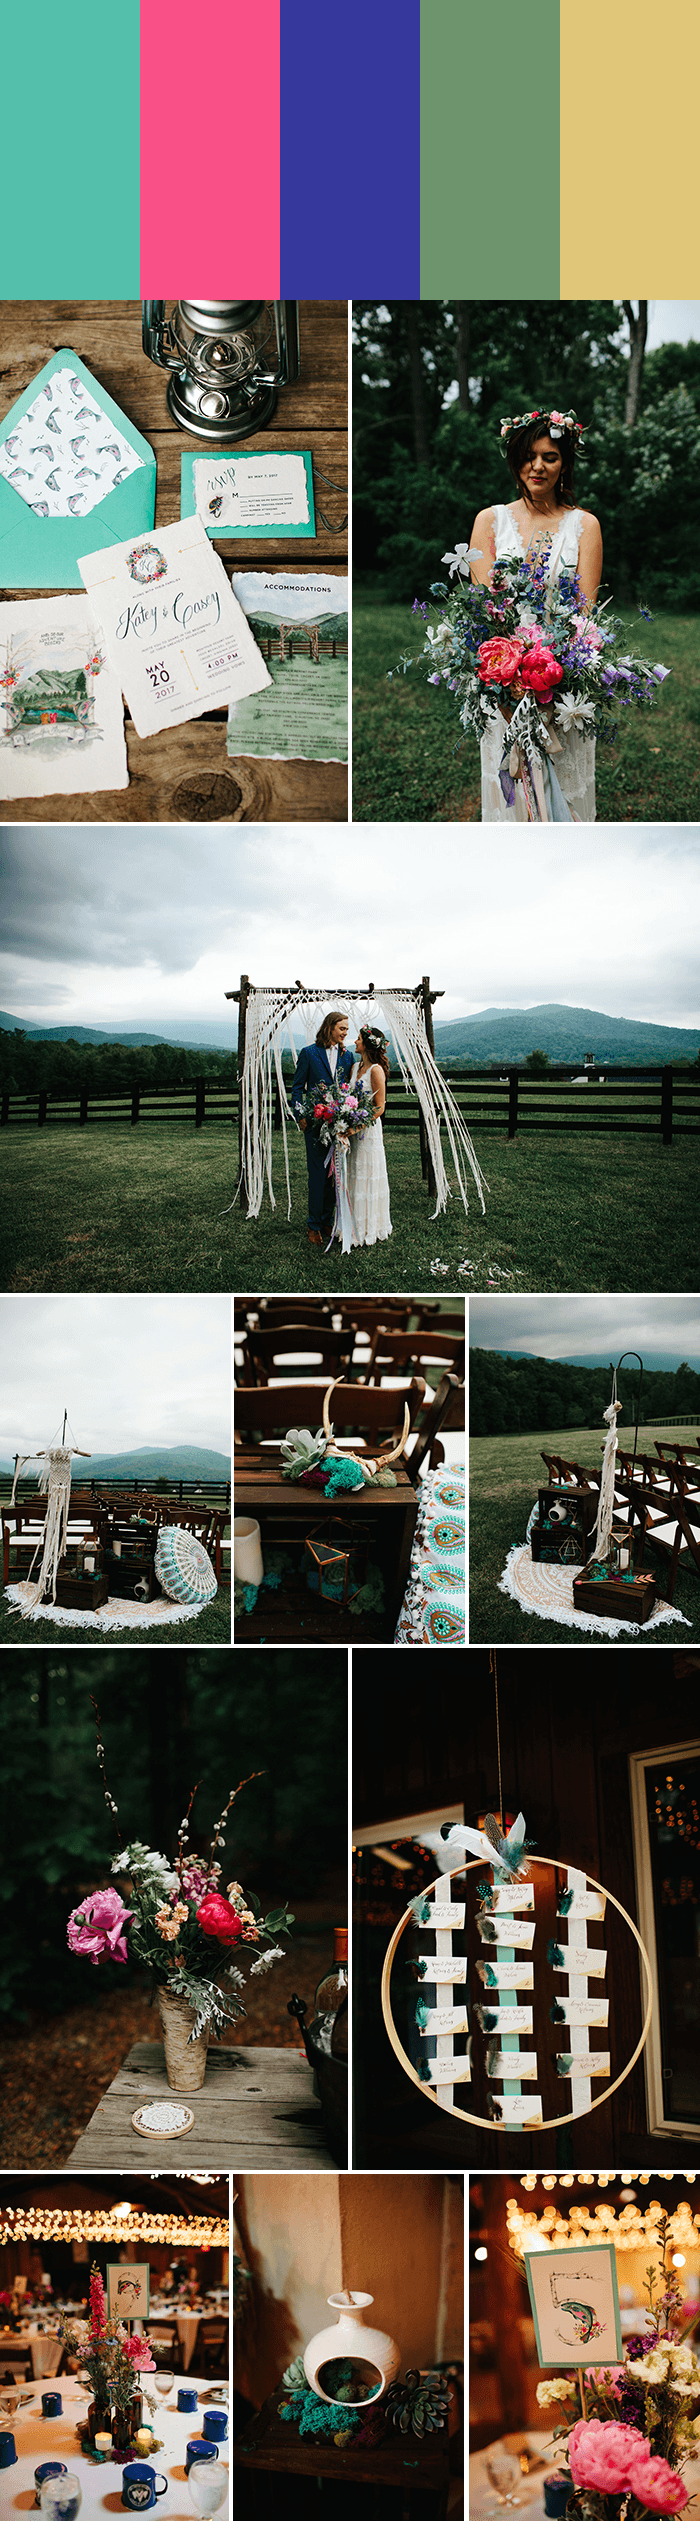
(81, 1593)
(566, 1540)
(125, 1575)
(612, 1598)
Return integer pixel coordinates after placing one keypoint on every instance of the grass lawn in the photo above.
(406, 769)
(505, 1473)
(139, 1209)
(212, 1628)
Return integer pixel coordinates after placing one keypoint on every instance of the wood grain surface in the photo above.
(400, 2460)
(184, 775)
(256, 2111)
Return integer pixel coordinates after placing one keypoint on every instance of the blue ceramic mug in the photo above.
(141, 2486)
(199, 2449)
(8, 2450)
(215, 2424)
(187, 2401)
(51, 2403)
(48, 2468)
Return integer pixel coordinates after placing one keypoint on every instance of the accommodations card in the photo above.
(175, 635)
(256, 494)
(61, 713)
(301, 625)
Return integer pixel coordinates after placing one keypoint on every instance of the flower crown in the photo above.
(559, 423)
(371, 1033)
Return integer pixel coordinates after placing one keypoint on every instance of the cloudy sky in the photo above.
(589, 1326)
(130, 1370)
(150, 932)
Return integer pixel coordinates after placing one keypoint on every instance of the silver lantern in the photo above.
(227, 359)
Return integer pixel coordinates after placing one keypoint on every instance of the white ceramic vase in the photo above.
(351, 2339)
(247, 1553)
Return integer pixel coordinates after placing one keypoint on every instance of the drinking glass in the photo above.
(61, 2498)
(208, 2484)
(163, 2382)
(504, 2474)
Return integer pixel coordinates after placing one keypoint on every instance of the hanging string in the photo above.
(501, 1816)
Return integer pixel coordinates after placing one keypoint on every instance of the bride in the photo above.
(541, 522)
(368, 1181)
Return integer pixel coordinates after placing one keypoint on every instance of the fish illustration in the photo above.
(40, 507)
(76, 446)
(87, 413)
(85, 474)
(48, 391)
(54, 424)
(40, 450)
(20, 474)
(109, 450)
(52, 482)
(584, 2319)
(215, 507)
(11, 443)
(123, 476)
(75, 384)
(75, 505)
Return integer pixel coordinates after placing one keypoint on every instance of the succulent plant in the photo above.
(418, 2404)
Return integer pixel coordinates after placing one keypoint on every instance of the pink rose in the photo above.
(499, 660)
(603, 2456)
(97, 1928)
(658, 2487)
(217, 1917)
(540, 671)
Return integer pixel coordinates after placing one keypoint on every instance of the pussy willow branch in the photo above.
(184, 1831)
(100, 1755)
(219, 1831)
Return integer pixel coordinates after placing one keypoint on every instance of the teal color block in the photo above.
(70, 156)
(489, 150)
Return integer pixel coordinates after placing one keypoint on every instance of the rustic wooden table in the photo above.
(185, 775)
(415, 2469)
(285, 1513)
(256, 2111)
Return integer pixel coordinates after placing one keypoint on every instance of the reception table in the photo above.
(40, 2438)
(187, 2325)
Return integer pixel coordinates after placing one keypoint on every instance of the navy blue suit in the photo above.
(314, 1068)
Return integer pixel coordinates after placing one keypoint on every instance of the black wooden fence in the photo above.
(653, 1102)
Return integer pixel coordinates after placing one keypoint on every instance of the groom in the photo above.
(320, 1065)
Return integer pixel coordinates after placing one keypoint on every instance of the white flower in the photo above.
(138, 1860)
(459, 559)
(266, 1959)
(570, 712)
(548, 2391)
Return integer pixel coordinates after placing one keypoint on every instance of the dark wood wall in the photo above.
(569, 1721)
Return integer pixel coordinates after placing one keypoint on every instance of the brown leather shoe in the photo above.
(315, 1238)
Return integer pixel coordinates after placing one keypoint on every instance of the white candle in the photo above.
(247, 1553)
(103, 2442)
(143, 2438)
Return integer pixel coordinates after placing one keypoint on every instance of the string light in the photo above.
(633, 2228)
(41, 2223)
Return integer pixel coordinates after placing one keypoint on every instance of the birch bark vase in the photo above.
(185, 2059)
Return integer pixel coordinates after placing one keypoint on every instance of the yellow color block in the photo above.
(629, 73)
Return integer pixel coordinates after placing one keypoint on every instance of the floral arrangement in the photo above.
(179, 1923)
(336, 1112)
(638, 2422)
(530, 646)
(114, 2361)
(560, 424)
(312, 1461)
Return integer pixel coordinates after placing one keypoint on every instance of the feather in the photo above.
(556, 2013)
(556, 1956)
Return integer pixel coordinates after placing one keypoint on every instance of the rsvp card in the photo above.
(260, 494)
(175, 635)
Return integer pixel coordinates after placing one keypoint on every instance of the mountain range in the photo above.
(152, 1461)
(496, 1034)
(656, 1360)
(187, 1037)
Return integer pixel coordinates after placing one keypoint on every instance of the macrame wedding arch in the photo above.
(265, 1029)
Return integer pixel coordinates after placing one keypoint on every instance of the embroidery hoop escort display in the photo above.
(445, 1968)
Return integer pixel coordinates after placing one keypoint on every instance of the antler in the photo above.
(366, 1469)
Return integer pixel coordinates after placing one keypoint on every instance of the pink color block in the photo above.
(210, 149)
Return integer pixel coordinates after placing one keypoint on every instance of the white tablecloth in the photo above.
(40, 2437)
(187, 2325)
(46, 2351)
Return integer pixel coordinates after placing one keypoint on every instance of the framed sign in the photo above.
(575, 2305)
(128, 2291)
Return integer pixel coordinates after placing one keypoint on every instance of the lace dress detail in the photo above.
(368, 1180)
(575, 764)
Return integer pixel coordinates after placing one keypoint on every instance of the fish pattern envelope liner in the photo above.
(74, 473)
(175, 634)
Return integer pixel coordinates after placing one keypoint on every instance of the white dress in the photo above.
(575, 764)
(368, 1180)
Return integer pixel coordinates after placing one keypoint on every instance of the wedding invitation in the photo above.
(176, 637)
(243, 494)
(61, 712)
(301, 625)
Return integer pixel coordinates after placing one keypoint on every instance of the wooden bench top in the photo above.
(259, 1477)
(256, 2111)
(400, 2460)
(185, 775)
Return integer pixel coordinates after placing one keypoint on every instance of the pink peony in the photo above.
(319, 1111)
(603, 2456)
(217, 1917)
(499, 660)
(657, 2486)
(97, 1928)
(540, 671)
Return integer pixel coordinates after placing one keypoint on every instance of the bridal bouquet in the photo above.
(639, 2425)
(528, 645)
(177, 1922)
(338, 1114)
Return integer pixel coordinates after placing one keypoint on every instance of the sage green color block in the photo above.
(70, 156)
(489, 149)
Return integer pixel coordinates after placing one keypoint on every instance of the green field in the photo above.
(505, 1473)
(117, 1208)
(406, 767)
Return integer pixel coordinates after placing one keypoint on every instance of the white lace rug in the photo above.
(543, 1591)
(112, 1614)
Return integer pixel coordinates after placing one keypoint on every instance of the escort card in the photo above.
(513, 1896)
(583, 1904)
(445, 1913)
(507, 2017)
(518, 2109)
(176, 637)
(445, 2018)
(516, 2069)
(507, 1973)
(580, 1962)
(513, 1930)
(450, 2070)
(594, 2061)
(577, 2009)
(439, 1973)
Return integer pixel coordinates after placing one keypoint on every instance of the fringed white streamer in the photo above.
(54, 1480)
(606, 1501)
(268, 1020)
(111, 1615)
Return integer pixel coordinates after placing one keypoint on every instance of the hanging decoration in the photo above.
(54, 1483)
(62, 2223)
(606, 1502)
(268, 1030)
(492, 2033)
